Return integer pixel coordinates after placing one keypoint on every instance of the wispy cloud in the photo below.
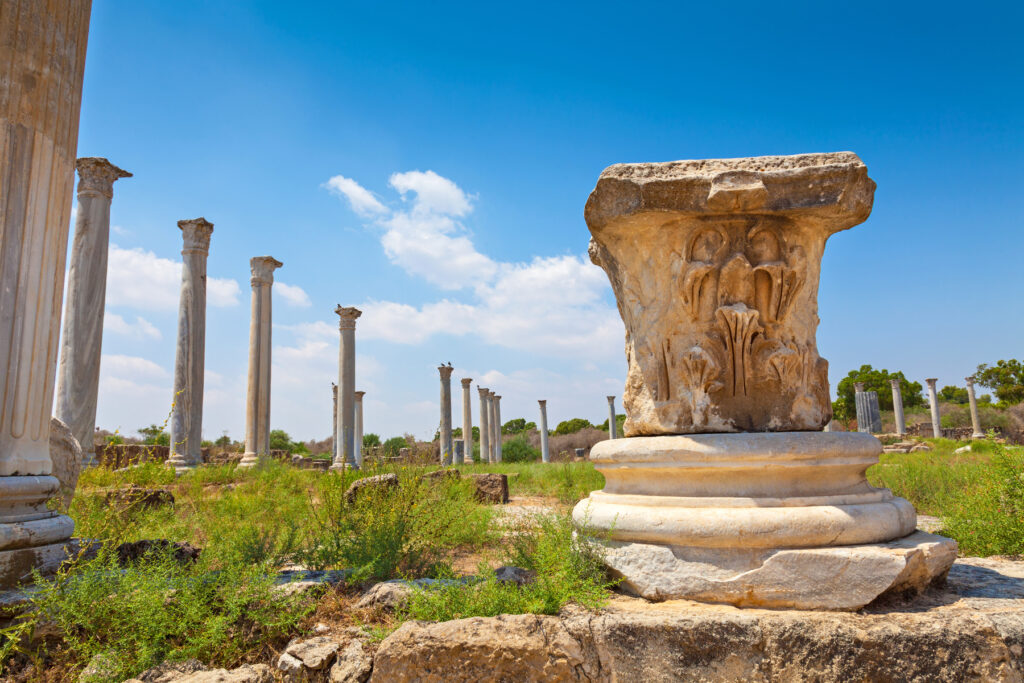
(138, 278)
(140, 329)
(293, 295)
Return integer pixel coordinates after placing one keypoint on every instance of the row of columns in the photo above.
(867, 410)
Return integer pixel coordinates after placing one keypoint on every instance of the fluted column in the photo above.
(611, 417)
(257, 404)
(975, 420)
(42, 50)
(933, 402)
(897, 406)
(334, 424)
(345, 429)
(467, 422)
(446, 414)
(545, 454)
(485, 425)
(858, 402)
(359, 427)
(190, 357)
(78, 376)
(497, 428)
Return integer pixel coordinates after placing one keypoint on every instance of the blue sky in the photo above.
(429, 163)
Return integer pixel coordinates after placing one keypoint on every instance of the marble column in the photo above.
(345, 431)
(359, 427)
(897, 407)
(78, 376)
(485, 425)
(933, 402)
(975, 420)
(611, 417)
(545, 453)
(446, 414)
(189, 359)
(858, 404)
(497, 428)
(334, 424)
(257, 403)
(467, 422)
(42, 49)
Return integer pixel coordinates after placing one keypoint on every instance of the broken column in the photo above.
(724, 488)
(975, 420)
(190, 356)
(257, 401)
(445, 431)
(869, 416)
(359, 428)
(485, 424)
(334, 424)
(345, 429)
(545, 453)
(933, 403)
(467, 423)
(497, 427)
(78, 376)
(611, 417)
(42, 50)
(897, 407)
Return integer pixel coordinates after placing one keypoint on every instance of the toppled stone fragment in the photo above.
(353, 664)
(491, 488)
(377, 482)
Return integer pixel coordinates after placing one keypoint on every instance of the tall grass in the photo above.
(569, 482)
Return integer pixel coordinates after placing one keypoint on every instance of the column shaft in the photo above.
(897, 407)
(445, 435)
(334, 424)
(545, 454)
(611, 418)
(975, 420)
(467, 422)
(485, 425)
(497, 429)
(359, 428)
(346, 432)
(933, 402)
(78, 376)
(257, 405)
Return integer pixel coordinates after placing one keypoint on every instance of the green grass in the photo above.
(568, 482)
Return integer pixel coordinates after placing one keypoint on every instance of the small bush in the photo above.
(518, 449)
(989, 520)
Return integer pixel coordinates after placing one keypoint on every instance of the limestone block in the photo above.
(193, 671)
(377, 482)
(715, 264)
(491, 488)
(353, 664)
(313, 654)
(66, 456)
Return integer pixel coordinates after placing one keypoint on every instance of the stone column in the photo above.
(545, 453)
(257, 403)
(189, 360)
(485, 426)
(497, 428)
(345, 431)
(42, 50)
(467, 422)
(78, 376)
(334, 424)
(858, 403)
(933, 402)
(446, 414)
(359, 427)
(897, 406)
(975, 420)
(611, 417)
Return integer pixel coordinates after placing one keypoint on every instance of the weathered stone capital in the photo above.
(496, 397)
(895, 383)
(196, 234)
(543, 403)
(446, 372)
(263, 268)
(347, 317)
(931, 381)
(611, 400)
(484, 393)
(858, 387)
(97, 175)
(970, 381)
(466, 381)
(359, 395)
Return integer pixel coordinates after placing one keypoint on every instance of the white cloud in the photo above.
(131, 367)
(362, 200)
(293, 295)
(434, 193)
(140, 329)
(118, 230)
(138, 278)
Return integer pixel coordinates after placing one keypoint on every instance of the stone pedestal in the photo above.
(445, 429)
(485, 424)
(975, 420)
(545, 452)
(78, 376)
(190, 356)
(345, 430)
(257, 403)
(42, 49)
(725, 489)
(933, 404)
(467, 423)
(897, 406)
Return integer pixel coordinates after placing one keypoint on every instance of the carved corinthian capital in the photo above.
(347, 317)
(97, 175)
(262, 268)
(196, 233)
(715, 266)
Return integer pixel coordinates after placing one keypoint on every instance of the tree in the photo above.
(154, 435)
(279, 440)
(1005, 379)
(517, 426)
(225, 440)
(371, 439)
(845, 407)
(457, 433)
(572, 426)
(619, 421)
(518, 449)
(953, 395)
(392, 445)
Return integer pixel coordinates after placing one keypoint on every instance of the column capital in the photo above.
(359, 395)
(858, 387)
(446, 371)
(262, 268)
(895, 383)
(611, 399)
(466, 381)
(969, 380)
(196, 233)
(496, 397)
(347, 317)
(484, 393)
(931, 381)
(97, 175)
(543, 402)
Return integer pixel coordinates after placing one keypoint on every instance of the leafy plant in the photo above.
(572, 426)
(1005, 379)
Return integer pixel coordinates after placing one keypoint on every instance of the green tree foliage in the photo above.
(1005, 378)
(154, 435)
(517, 426)
(572, 426)
(845, 407)
(114, 439)
(279, 440)
(517, 449)
(371, 439)
(953, 395)
(223, 441)
(619, 421)
(457, 433)
(392, 445)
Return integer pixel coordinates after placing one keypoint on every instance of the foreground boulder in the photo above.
(324, 658)
(377, 482)
(491, 488)
(193, 671)
(971, 630)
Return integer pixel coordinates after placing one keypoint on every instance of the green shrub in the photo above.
(394, 444)
(518, 449)
(572, 426)
(989, 518)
